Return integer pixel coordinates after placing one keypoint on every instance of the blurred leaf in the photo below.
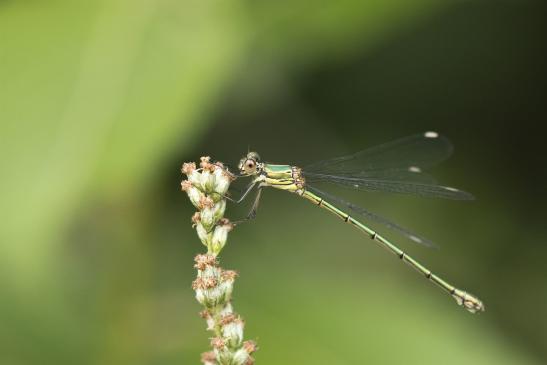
(93, 94)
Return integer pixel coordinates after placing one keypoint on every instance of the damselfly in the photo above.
(395, 167)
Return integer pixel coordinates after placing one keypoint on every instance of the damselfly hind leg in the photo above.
(252, 213)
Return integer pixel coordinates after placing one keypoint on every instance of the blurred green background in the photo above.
(101, 102)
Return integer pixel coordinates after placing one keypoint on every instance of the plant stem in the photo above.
(206, 187)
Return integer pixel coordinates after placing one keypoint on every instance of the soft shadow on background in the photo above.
(101, 102)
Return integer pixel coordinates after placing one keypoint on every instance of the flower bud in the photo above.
(217, 295)
(219, 209)
(204, 236)
(200, 296)
(211, 287)
(209, 298)
(222, 352)
(222, 181)
(189, 169)
(232, 330)
(207, 181)
(195, 195)
(208, 219)
(212, 272)
(220, 235)
(241, 357)
(224, 356)
(225, 288)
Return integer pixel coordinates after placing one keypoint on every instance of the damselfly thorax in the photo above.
(284, 177)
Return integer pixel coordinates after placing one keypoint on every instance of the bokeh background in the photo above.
(101, 102)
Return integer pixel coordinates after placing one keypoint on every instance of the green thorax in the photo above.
(278, 171)
(284, 177)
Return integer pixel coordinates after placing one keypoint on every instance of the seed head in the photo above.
(209, 358)
(202, 261)
(250, 346)
(206, 202)
(206, 163)
(218, 343)
(188, 168)
(196, 218)
(198, 284)
(228, 275)
(228, 318)
(185, 185)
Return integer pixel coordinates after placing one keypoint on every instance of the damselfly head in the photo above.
(250, 164)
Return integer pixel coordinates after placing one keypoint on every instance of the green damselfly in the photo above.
(395, 167)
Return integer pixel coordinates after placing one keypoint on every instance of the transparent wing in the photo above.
(392, 186)
(373, 217)
(402, 159)
(395, 167)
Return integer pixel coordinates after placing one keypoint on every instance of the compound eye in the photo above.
(250, 166)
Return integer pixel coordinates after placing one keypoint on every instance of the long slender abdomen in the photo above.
(468, 301)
